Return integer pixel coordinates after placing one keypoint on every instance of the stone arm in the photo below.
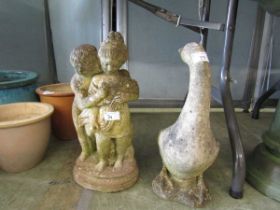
(74, 83)
(129, 92)
(133, 92)
(79, 92)
(94, 99)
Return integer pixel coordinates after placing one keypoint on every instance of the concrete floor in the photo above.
(50, 184)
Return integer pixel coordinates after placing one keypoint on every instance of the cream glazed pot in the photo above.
(188, 147)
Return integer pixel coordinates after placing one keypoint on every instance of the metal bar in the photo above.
(275, 87)
(106, 6)
(121, 7)
(194, 25)
(50, 48)
(150, 7)
(200, 24)
(264, 54)
(239, 169)
(254, 59)
(204, 11)
(121, 16)
(260, 101)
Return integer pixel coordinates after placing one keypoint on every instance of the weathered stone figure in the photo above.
(188, 147)
(112, 167)
(86, 63)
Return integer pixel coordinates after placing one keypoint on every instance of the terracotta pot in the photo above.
(61, 97)
(24, 134)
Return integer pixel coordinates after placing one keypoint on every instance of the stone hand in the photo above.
(115, 101)
(83, 118)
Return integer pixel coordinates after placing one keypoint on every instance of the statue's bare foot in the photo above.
(83, 156)
(118, 164)
(100, 166)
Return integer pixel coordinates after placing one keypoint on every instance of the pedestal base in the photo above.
(193, 192)
(263, 172)
(110, 179)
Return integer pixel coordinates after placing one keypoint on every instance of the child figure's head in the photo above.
(85, 60)
(113, 52)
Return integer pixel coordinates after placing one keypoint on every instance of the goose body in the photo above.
(188, 147)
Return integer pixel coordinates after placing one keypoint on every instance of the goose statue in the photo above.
(188, 147)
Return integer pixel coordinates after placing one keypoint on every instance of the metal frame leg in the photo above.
(262, 98)
(106, 7)
(239, 170)
(121, 16)
(205, 13)
(49, 39)
(254, 58)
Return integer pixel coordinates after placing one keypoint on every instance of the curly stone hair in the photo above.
(114, 47)
(81, 54)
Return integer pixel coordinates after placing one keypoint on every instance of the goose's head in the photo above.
(189, 49)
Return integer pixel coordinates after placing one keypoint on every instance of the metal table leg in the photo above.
(263, 97)
(236, 190)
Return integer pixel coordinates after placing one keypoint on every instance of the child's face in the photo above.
(112, 56)
(89, 67)
(108, 64)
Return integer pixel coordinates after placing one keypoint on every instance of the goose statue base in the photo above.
(192, 192)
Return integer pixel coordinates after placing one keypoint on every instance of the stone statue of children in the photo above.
(110, 92)
(86, 63)
(102, 114)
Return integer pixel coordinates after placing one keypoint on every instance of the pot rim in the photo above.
(41, 92)
(22, 122)
(29, 77)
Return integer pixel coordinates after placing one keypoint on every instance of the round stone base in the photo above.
(109, 180)
(263, 172)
